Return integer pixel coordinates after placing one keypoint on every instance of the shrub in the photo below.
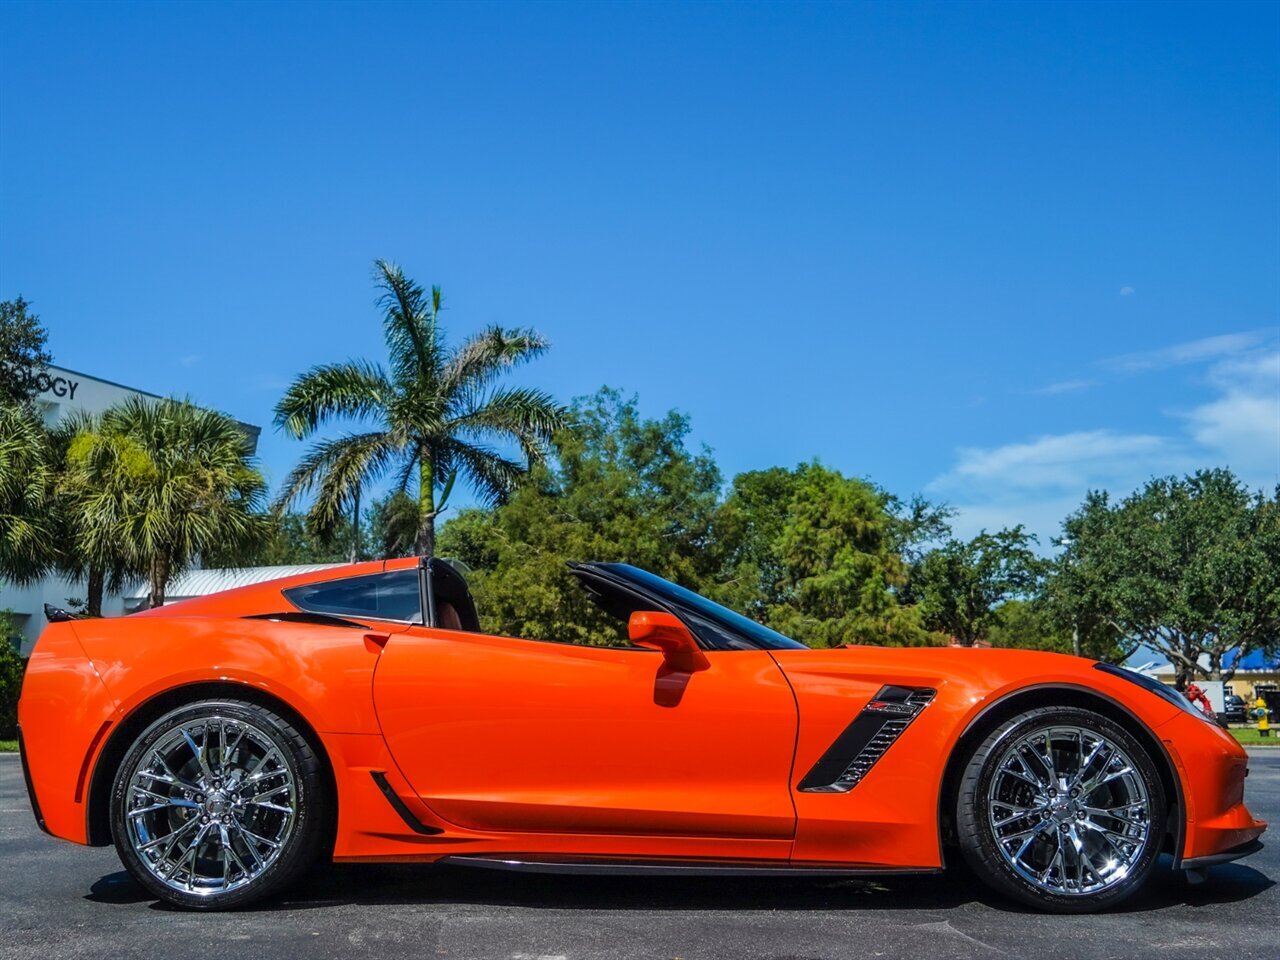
(12, 667)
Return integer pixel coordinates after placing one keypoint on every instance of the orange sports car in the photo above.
(224, 744)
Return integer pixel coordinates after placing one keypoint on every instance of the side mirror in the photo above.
(665, 632)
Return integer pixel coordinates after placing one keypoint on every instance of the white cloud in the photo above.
(1064, 386)
(1037, 482)
(1127, 291)
(1062, 461)
(1042, 517)
(1243, 424)
(1193, 351)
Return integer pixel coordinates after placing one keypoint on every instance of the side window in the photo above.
(384, 596)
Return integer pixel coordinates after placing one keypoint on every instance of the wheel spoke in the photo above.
(172, 802)
(1110, 813)
(189, 852)
(167, 798)
(1026, 772)
(198, 751)
(1104, 778)
(268, 806)
(1047, 757)
(222, 747)
(1015, 813)
(1087, 762)
(169, 775)
(259, 777)
(267, 794)
(170, 838)
(255, 838)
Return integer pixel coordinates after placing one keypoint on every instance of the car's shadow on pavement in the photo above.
(386, 884)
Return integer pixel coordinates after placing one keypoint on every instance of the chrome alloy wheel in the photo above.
(210, 805)
(1069, 810)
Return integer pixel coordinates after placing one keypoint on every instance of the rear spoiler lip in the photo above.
(59, 615)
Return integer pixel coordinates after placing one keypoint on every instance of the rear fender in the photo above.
(324, 673)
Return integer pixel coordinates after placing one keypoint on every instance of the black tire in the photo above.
(308, 795)
(977, 835)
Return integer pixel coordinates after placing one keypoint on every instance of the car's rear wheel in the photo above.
(1062, 809)
(217, 804)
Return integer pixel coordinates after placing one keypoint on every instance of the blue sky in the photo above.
(993, 253)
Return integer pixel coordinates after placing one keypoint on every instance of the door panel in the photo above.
(501, 734)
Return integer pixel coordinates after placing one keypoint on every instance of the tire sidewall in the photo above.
(301, 844)
(987, 858)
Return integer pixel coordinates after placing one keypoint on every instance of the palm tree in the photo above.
(436, 415)
(28, 545)
(170, 481)
(100, 474)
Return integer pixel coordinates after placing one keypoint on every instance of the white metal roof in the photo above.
(201, 583)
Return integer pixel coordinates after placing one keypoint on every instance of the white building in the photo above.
(60, 392)
(202, 583)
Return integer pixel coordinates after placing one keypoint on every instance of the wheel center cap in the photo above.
(217, 804)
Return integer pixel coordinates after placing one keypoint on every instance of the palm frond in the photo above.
(527, 416)
(160, 483)
(336, 470)
(484, 356)
(409, 323)
(492, 475)
(27, 485)
(357, 388)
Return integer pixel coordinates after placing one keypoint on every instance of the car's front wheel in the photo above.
(219, 803)
(1062, 809)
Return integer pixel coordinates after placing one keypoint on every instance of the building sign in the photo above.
(61, 387)
(48, 382)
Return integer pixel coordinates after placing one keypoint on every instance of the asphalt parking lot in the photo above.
(61, 901)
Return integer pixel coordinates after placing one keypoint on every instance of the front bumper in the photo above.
(1211, 768)
(1226, 856)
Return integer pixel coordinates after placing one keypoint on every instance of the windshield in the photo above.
(704, 611)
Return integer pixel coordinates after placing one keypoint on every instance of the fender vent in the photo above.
(866, 739)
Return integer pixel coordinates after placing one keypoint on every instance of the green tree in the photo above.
(1027, 625)
(393, 525)
(193, 488)
(22, 351)
(841, 553)
(436, 415)
(745, 540)
(1036, 625)
(961, 584)
(1188, 566)
(756, 576)
(28, 480)
(618, 488)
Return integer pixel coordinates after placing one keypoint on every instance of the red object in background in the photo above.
(1200, 699)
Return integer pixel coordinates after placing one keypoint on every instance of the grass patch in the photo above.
(8, 746)
(1250, 737)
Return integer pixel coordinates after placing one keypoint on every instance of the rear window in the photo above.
(382, 596)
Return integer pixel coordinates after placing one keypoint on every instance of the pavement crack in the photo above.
(946, 926)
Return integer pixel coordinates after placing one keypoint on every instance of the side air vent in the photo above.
(866, 739)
